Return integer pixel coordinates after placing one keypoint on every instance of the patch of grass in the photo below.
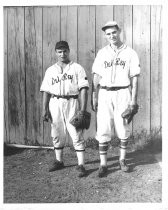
(92, 143)
(146, 141)
(137, 142)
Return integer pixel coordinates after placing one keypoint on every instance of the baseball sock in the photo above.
(123, 148)
(59, 154)
(81, 157)
(103, 147)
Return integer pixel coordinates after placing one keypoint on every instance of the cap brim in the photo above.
(62, 46)
(110, 26)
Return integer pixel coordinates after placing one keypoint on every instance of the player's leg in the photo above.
(81, 157)
(79, 146)
(58, 133)
(123, 151)
(76, 136)
(122, 129)
(103, 148)
(104, 129)
(59, 153)
(123, 148)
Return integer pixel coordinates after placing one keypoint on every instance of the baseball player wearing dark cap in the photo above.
(115, 78)
(62, 84)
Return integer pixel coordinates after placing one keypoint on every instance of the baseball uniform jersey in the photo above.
(66, 83)
(116, 67)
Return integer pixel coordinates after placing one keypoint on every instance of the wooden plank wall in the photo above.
(30, 34)
(16, 75)
(33, 69)
(141, 43)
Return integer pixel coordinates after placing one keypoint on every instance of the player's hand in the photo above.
(47, 116)
(94, 103)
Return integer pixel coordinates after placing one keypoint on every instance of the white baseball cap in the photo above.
(110, 24)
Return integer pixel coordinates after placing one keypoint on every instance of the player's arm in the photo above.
(83, 98)
(95, 91)
(134, 90)
(46, 113)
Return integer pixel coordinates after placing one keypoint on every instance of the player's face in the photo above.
(112, 35)
(62, 54)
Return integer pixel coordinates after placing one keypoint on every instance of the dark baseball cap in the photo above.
(62, 44)
(110, 24)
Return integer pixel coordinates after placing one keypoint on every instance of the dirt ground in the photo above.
(27, 180)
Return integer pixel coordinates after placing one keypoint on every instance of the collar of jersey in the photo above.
(67, 66)
(70, 63)
(123, 46)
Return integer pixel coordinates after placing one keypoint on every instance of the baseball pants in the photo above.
(111, 104)
(62, 110)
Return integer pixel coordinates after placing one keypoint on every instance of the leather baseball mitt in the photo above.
(129, 113)
(81, 120)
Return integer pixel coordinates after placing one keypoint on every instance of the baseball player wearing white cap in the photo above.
(62, 84)
(115, 78)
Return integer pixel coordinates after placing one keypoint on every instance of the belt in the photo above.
(65, 96)
(113, 88)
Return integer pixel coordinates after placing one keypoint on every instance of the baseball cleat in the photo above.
(102, 171)
(123, 166)
(57, 165)
(81, 171)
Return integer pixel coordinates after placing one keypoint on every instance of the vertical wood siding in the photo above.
(16, 75)
(30, 34)
(141, 43)
(33, 69)
(6, 117)
(156, 67)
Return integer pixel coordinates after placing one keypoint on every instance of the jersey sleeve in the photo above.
(82, 78)
(134, 65)
(98, 64)
(45, 86)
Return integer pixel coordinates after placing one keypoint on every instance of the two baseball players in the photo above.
(115, 78)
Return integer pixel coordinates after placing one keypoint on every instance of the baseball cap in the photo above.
(61, 44)
(110, 24)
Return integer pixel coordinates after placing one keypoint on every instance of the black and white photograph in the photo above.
(83, 105)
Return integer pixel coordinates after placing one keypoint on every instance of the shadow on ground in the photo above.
(12, 150)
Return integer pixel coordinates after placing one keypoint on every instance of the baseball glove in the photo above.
(129, 113)
(81, 120)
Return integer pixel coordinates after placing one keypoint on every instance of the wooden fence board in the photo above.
(16, 75)
(86, 49)
(51, 34)
(123, 16)
(141, 44)
(156, 67)
(103, 14)
(69, 29)
(6, 122)
(33, 63)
